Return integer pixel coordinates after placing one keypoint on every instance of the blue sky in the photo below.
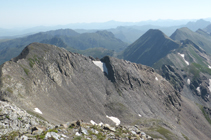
(20, 13)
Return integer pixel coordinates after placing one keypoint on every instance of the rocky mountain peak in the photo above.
(178, 32)
(150, 47)
(49, 78)
(156, 35)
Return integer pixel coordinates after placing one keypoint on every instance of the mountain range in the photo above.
(67, 38)
(161, 84)
(126, 31)
(62, 86)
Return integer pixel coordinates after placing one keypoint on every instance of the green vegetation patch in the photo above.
(206, 115)
(33, 60)
(195, 69)
(185, 136)
(202, 68)
(196, 56)
(77, 138)
(9, 90)
(26, 71)
(165, 132)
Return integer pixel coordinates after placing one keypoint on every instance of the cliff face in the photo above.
(62, 86)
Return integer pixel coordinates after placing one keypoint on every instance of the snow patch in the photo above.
(100, 124)
(37, 110)
(139, 115)
(183, 56)
(114, 119)
(209, 66)
(156, 78)
(188, 81)
(93, 123)
(209, 85)
(101, 65)
(77, 134)
(198, 89)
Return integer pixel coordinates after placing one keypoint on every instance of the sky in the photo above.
(29, 13)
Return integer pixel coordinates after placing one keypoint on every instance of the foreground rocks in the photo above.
(18, 124)
(13, 119)
(84, 131)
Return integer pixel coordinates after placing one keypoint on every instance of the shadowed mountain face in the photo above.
(65, 86)
(149, 48)
(198, 38)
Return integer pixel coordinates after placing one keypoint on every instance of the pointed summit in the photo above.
(150, 47)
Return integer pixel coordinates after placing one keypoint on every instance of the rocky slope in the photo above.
(61, 86)
(14, 119)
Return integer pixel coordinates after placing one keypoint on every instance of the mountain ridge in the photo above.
(66, 86)
(67, 38)
(199, 39)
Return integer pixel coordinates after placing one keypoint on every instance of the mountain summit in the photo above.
(150, 47)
